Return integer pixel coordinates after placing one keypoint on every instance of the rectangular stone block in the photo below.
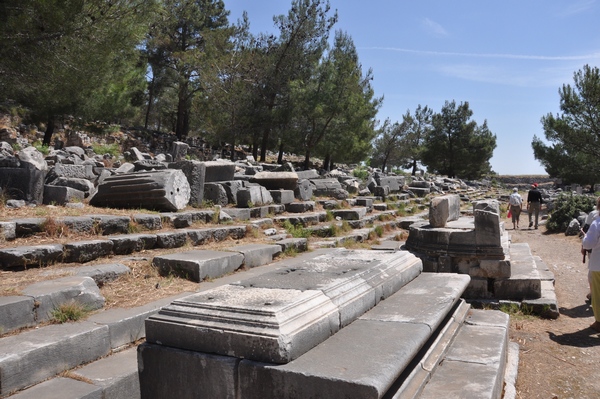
(61, 388)
(117, 375)
(162, 371)
(218, 171)
(23, 183)
(282, 196)
(16, 312)
(444, 209)
(257, 254)
(33, 356)
(197, 265)
(61, 195)
(85, 251)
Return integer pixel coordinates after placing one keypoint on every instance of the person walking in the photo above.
(534, 203)
(591, 244)
(515, 202)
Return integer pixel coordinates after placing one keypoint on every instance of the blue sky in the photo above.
(507, 59)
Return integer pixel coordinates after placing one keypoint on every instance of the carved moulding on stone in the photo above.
(282, 315)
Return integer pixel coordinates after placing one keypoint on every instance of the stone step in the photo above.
(524, 281)
(112, 377)
(33, 356)
(88, 250)
(475, 363)
(547, 304)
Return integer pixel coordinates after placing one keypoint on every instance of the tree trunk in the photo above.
(49, 131)
(280, 156)
(150, 100)
(263, 146)
(182, 124)
(326, 162)
(307, 160)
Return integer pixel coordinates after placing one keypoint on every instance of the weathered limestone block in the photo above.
(257, 254)
(253, 196)
(215, 193)
(51, 294)
(488, 231)
(282, 314)
(232, 188)
(304, 191)
(381, 191)
(300, 207)
(444, 209)
(16, 312)
(85, 251)
(111, 224)
(171, 239)
(196, 265)
(129, 243)
(148, 221)
(78, 184)
(179, 150)
(276, 180)
(329, 188)
(282, 196)
(219, 171)
(148, 165)
(23, 183)
(31, 158)
(164, 190)
(195, 172)
(75, 171)
(395, 183)
(61, 195)
(8, 231)
(200, 371)
(30, 255)
(356, 213)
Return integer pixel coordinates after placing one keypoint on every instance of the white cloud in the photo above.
(510, 75)
(583, 57)
(577, 7)
(434, 27)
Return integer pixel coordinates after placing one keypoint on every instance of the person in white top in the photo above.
(591, 244)
(515, 202)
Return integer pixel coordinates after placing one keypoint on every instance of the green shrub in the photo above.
(360, 173)
(296, 231)
(112, 149)
(566, 208)
(41, 148)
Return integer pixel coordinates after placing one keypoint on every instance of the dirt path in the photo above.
(558, 358)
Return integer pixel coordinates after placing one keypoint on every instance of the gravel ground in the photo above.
(557, 358)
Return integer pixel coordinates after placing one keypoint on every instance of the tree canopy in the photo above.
(456, 145)
(182, 67)
(573, 135)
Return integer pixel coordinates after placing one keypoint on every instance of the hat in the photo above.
(534, 185)
(515, 190)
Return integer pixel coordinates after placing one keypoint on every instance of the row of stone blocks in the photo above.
(38, 300)
(116, 376)
(342, 324)
(110, 224)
